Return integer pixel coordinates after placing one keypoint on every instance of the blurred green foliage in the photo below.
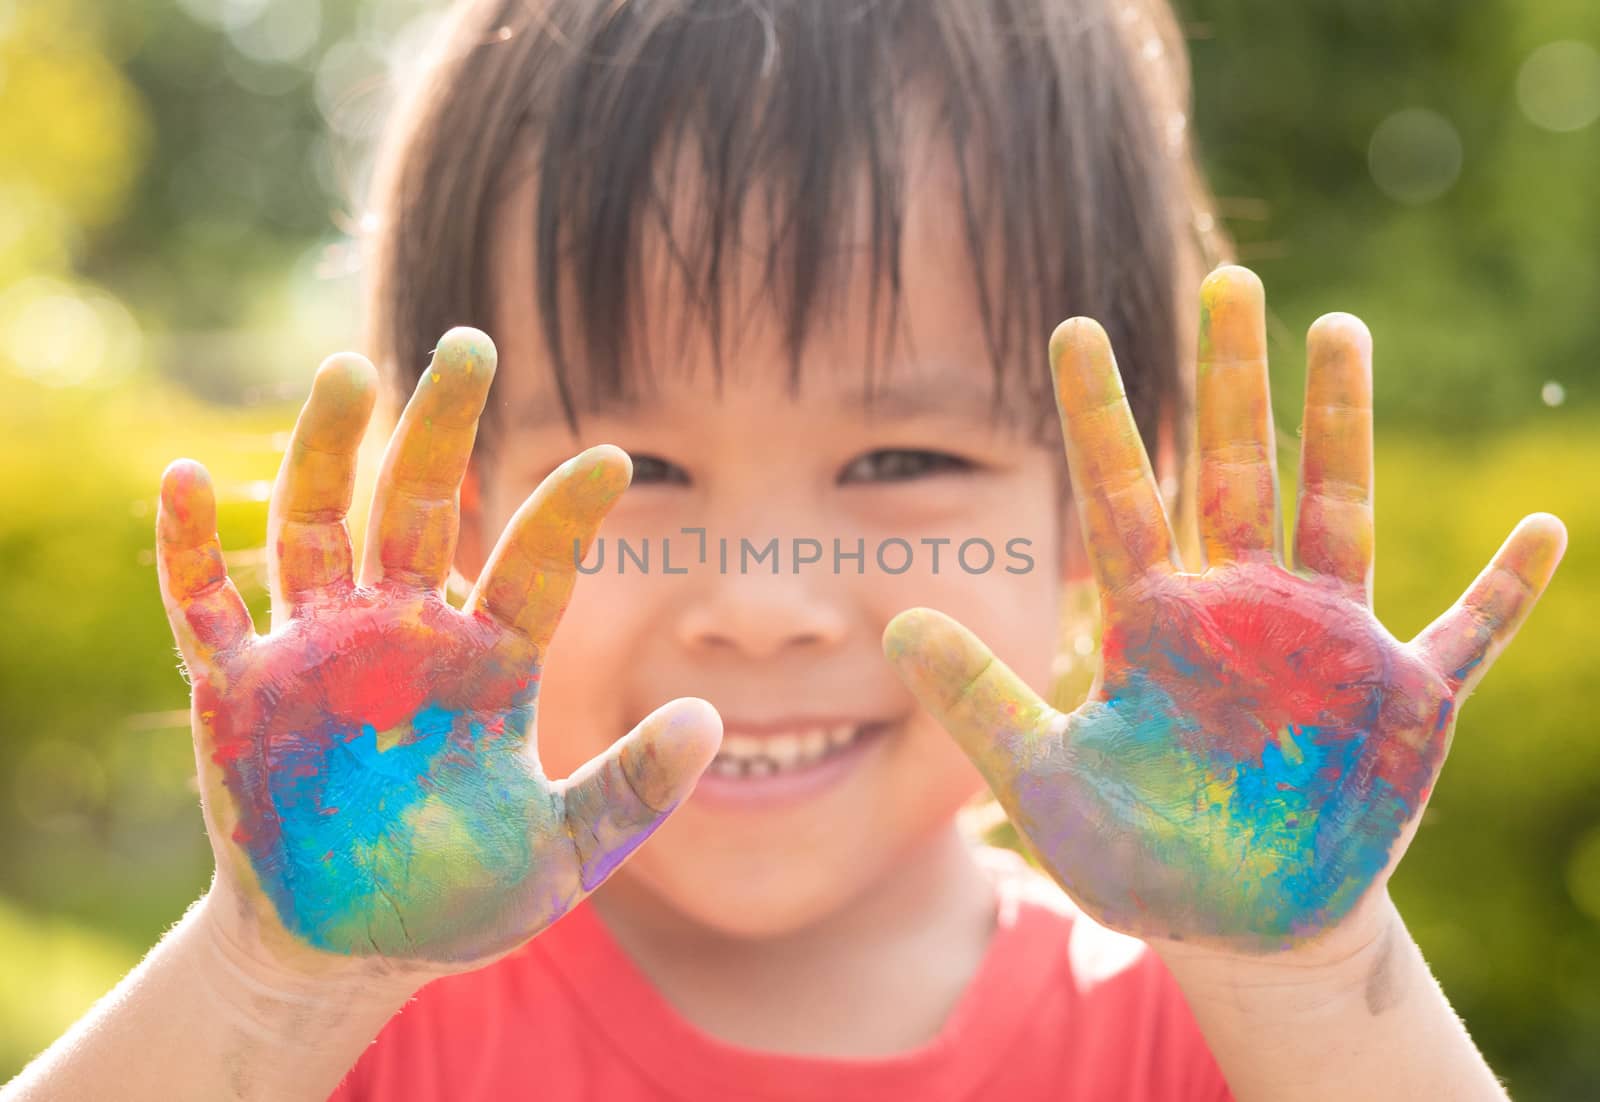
(1477, 295)
(176, 201)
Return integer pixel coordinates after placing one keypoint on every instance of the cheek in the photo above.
(581, 710)
(946, 779)
(1013, 605)
(1020, 624)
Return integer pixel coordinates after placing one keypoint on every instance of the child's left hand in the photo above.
(1257, 750)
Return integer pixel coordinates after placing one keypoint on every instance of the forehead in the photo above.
(884, 346)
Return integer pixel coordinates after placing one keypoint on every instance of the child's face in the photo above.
(788, 654)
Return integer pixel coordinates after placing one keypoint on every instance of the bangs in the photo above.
(670, 128)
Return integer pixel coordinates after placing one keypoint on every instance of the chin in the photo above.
(745, 886)
(747, 893)
(760, 915)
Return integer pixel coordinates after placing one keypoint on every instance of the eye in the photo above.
(653, 470)
(902, 465)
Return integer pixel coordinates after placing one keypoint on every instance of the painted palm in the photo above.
(1257, 749)
(367, 768)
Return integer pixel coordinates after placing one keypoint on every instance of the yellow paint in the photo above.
(1291, 749)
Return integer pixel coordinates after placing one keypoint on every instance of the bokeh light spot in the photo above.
(63, 335)
(1415, 155)
(1558, 86)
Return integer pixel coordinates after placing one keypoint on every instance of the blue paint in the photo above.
(347, 845)
(1329, 821)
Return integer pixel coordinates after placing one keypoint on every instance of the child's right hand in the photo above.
(366, 769)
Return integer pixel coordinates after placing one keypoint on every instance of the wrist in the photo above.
(1361, 959)
(289, 999)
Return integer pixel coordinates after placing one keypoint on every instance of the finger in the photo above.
(416, 509)
(1238, 459)
(616, 801)
(994, 716)
(530, 575)
(1463, 643)
(306, 526)
(1125, 525)
(207, 615)
(1333, 529)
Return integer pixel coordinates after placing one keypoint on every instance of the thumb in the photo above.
(616, 800)
(991, 712)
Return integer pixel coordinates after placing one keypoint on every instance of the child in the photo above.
(796, 258)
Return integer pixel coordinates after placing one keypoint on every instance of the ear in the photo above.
(472, 548)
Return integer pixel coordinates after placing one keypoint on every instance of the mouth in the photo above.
(763, 767)
(745, 755)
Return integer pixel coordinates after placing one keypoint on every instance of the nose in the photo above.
(764, 615)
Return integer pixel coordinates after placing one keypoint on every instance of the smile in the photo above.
(784, 751)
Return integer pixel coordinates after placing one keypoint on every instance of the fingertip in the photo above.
(466, 351)
(1231, 287)
(1339, 362)
(582, 490)
(934, 654)
(188, 501)
(1234, 282)
(1341, 328)
(343, 394)
(696, 719)
(681, 738)
(185, 475)
(454, 388)
(1077, 336)
(1547, 525)
(682, 717)
(606, 467)
(609, 454)
(1540, 541)
(346, 374)
(1083, 365)
(1233, 313)
(906, 627)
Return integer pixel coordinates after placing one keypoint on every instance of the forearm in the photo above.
(1370, 1025)
(199, 1019)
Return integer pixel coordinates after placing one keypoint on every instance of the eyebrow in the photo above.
(942, 392)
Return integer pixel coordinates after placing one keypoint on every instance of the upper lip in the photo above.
(788, 725)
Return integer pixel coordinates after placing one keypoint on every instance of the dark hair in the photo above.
(1066, 120)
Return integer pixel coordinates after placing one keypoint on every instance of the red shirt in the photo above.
(1059, 1008)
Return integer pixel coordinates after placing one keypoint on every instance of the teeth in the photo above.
(741, 746)
(783, 749)
(750, 756)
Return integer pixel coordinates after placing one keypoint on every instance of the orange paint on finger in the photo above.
(1124, 520)
(415, 511)
(1232, 317)
(1238, 477)
(530, 575)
